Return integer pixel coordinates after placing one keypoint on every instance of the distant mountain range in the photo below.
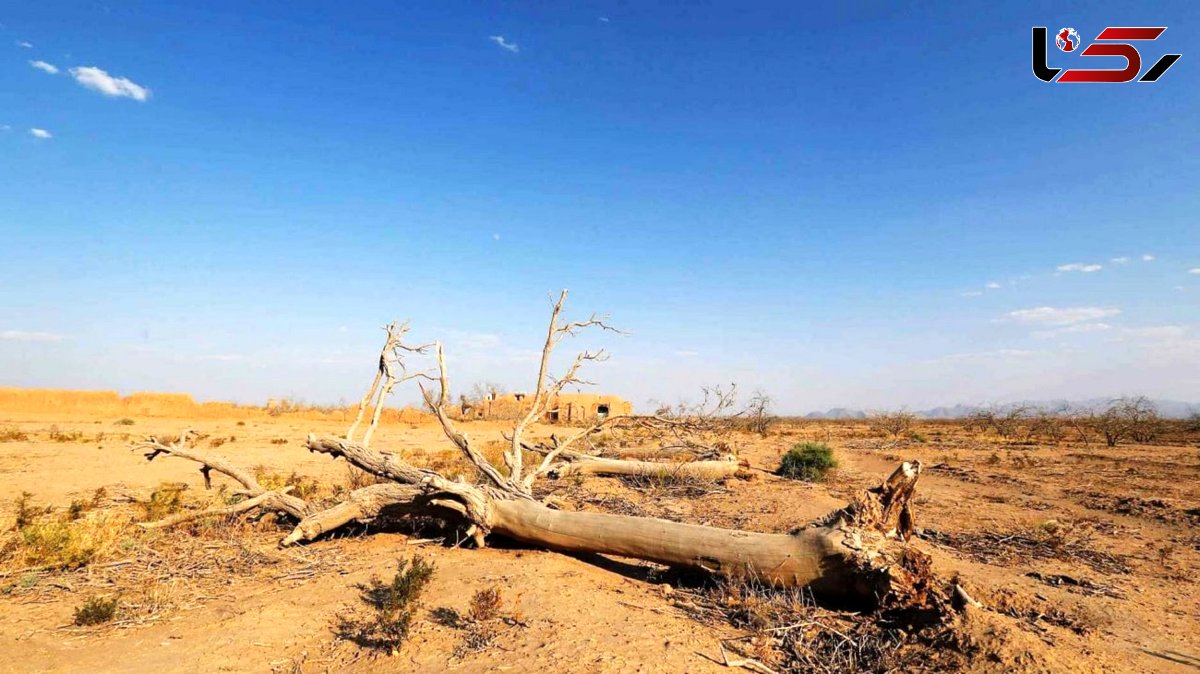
(1171, 409)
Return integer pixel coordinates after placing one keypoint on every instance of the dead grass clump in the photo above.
(61, 436)
(391, 607)
(165, 500)
(96, 611)
(124, 422)
(67, 540)
(80, 506)
(668, 484)
(786, 631)
(302, 486)
(217, 442)
(13, 434)
(279, 441)
(1052, 539)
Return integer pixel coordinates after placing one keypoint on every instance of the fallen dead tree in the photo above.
(859, 554)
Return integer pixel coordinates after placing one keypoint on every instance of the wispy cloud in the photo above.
(1147, 258)
(40, 133)
(604, 19)
(5, 128)
(998, 354)
(992, 285)
(98, 80)
(1060, 315)
(971, 293)
(686, 353)
(224, 357)
(44, 67)
(25, 45)
(505, 44)
(1078, 328)
(23, 336)
(1157, 331)
(1080, 267)
(1119, 260)
(1194, 270)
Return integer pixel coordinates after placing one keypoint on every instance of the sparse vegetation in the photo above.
(124, 422)
(96, 611)
(13, 434)
(894, 424)
(391, 608)
(809, 461)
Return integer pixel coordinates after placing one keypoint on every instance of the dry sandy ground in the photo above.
(1123, 522)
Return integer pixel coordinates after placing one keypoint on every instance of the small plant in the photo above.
(60, 436)
(96, 611)
(392, 607)
(124, 422)
(166, 500)
(808, 461)
(917, 437)
(216, 442)
(13, 434)
(279, 441)
(241, 423)
(303, 486)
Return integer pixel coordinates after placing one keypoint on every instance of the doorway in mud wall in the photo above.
(602, 411)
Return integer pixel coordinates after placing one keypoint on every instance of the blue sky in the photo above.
(230, 198)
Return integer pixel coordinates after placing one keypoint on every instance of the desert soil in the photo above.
(1090, 552)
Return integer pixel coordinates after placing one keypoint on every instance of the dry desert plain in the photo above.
(1084, 557)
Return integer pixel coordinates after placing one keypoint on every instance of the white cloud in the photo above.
(97, 80)
(604, 19)
(505, 44)
(40, 133)
(1061, 316)
(22, 336)
(1077, 328)
(25, 45)
(992, 285)
(1120, 260)
(5, 128)
(1194, 270)
(971, 293)
(1147, 258)
(44, 67)
(1158, 331)
(1079, 266)
(984, 355)
(495, 237)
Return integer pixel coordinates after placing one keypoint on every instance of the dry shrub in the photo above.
(391, 607)
(68, 540)
(302, 486)
(96, 611)
(669, 483)
(482, 623)
(124, 422)
(278, 441)
(892, 423)
(165, 500)
(61, 436)
(216, 442)
(786, 631)
(13, 434)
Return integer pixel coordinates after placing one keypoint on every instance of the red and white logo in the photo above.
(1112, 41)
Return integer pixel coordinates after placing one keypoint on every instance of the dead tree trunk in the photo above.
(698, 470)
(858, 554)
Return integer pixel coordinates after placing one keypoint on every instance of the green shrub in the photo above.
(917, 437)
(808, 461)
(385, 627)
(96, 611)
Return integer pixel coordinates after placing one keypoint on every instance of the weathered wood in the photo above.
(700, 470)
